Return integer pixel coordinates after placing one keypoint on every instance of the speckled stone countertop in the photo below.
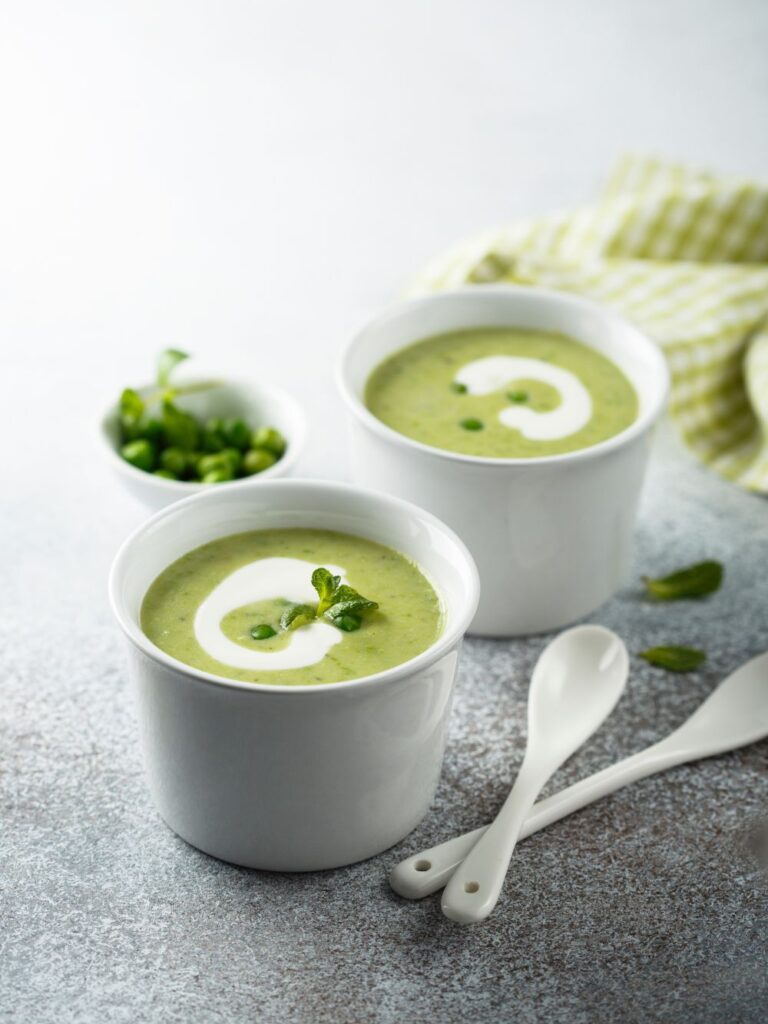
(649, 906)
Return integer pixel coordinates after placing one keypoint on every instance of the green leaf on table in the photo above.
(326, 585)
(695, 581)
(180, 428)
(675, 659)
(167, 361)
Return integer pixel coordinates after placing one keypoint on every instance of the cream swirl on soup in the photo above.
(265, 580)
(493, 373)
(502, 392)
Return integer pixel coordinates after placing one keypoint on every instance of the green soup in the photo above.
(408, 620)
(455, 391)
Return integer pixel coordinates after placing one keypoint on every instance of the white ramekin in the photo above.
(261, 405)
(551, 536)
(293, 778)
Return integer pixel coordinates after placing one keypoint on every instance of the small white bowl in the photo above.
(551, 536)
(293, 778)
(260, 405)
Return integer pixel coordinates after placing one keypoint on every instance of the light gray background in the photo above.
(251, 181)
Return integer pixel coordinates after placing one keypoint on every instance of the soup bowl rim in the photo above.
(451, 635)
(645, 417)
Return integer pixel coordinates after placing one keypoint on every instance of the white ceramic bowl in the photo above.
(551, 536)
(293, 778)
(260, 405)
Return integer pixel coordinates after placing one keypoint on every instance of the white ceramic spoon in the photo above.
(734, 715)
(574, 687)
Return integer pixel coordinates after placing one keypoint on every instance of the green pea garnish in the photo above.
(263, 632)
(153, 431)
(159, 436)
(270, 439)
(233, 457)
(256, 461)
(174, 460)
(237, 434)
(216, 476)
(458, 387)
(472, 424)
(140, 453)
(212, 462)
(213, 435)
(518, 396)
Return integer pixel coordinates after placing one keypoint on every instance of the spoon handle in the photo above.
(426, 872)
(473, 890)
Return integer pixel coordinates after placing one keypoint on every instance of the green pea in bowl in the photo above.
(245, 432)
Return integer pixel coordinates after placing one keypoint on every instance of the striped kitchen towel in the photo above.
(684, 255)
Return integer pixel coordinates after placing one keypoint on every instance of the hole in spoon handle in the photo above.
(412, 878)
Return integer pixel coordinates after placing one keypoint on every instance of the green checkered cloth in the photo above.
(682, 254)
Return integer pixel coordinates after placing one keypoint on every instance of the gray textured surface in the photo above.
(647, 907)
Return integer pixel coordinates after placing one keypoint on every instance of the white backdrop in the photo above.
(251, 180)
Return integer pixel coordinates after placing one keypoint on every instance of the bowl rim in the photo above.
(451, 635)
(187, 488)
(641, 423)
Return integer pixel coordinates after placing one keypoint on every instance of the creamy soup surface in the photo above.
(501, 393)
(202, 608)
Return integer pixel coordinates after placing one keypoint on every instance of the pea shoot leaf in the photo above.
(180, 428)
(131, 403)
(326, 585)
(347, 601)
(131, 413)
(339, 603)
(695, 581)
(167, 361)
(296, 615)
(675, 659)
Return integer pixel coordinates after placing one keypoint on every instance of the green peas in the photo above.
(212, 463)
(472, 424)
(518, 396)
(349, 623)
(263, 632)
(174, 460)
(234, 457)
(237, 433)
(140, 453)
(159, 436)
(270, 439)
(213, 435)
(257, 460)
(458, 387)
(190, 470)
(153, 431)
(216, 476)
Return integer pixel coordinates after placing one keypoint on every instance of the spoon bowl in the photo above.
(575, 685)
(734, 714)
